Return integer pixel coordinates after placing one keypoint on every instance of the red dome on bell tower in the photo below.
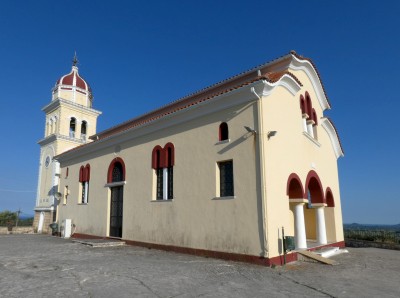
(73, 82)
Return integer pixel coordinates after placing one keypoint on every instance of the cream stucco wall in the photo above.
(290, 151)
(194, 218)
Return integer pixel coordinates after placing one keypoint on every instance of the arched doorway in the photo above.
(314, 214)
(116, 179)
(295, 192)
(330, 216)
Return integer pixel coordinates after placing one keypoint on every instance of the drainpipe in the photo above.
(261, 135)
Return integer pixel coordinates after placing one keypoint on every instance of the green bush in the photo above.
(7, 218)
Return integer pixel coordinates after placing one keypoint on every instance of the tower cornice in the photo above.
(64, 102)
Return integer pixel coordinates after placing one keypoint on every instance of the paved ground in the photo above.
(45, 266)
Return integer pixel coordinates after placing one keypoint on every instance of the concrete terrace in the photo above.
(45, 266)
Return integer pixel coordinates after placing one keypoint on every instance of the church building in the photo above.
(226, 172)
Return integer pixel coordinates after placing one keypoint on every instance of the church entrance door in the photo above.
(116, 211)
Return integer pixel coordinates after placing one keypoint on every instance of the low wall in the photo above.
(16, 230)
(365, 243)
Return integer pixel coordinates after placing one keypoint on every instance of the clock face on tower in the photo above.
(47, 162)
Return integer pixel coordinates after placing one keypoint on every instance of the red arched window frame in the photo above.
(308, 104)
(157, 158)
(223, 131)
(314, 117)
(87, 173)
(329, 198)
(302, 105)
(314, 186)
(169, 153)
(111, 167)
(294, 187)
(82, 174)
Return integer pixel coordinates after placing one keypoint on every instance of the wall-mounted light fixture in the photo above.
(58, 195)
(271, 133)
(250, 130)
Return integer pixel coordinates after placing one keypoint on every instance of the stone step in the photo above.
(100, 242)
(309, 255)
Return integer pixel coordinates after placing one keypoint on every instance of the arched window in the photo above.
(163, 160)
(314, 117)
(84, 177)
(314, 126)
(304, 116)
(223, 131)
(72, 125)
(55, 124)
(310, 121)
(169, 164)
(50, 127)
(83, 130)
(329, 198)
(116, 171)
(302, 105)
(308, 104)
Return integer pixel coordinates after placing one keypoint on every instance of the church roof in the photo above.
(271, 71)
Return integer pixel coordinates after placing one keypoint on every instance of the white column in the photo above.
(299, 227)
(321, 230)
(165, 183)
(304, 120)
(310, 129)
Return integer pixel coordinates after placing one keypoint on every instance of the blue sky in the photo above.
(139, 55)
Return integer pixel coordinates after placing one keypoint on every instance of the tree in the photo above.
(7, 218)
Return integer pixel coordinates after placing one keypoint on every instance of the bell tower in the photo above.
(70, 120)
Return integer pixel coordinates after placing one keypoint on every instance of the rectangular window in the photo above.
(84, 190)
(170, 183)
(65, 195)
(226, 178)
(159, 174)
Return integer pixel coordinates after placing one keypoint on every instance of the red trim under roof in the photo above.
(195, 99)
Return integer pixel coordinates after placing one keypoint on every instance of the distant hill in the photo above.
(372, 227)
(25, 216)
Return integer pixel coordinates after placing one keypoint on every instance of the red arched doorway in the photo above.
(116, 179)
